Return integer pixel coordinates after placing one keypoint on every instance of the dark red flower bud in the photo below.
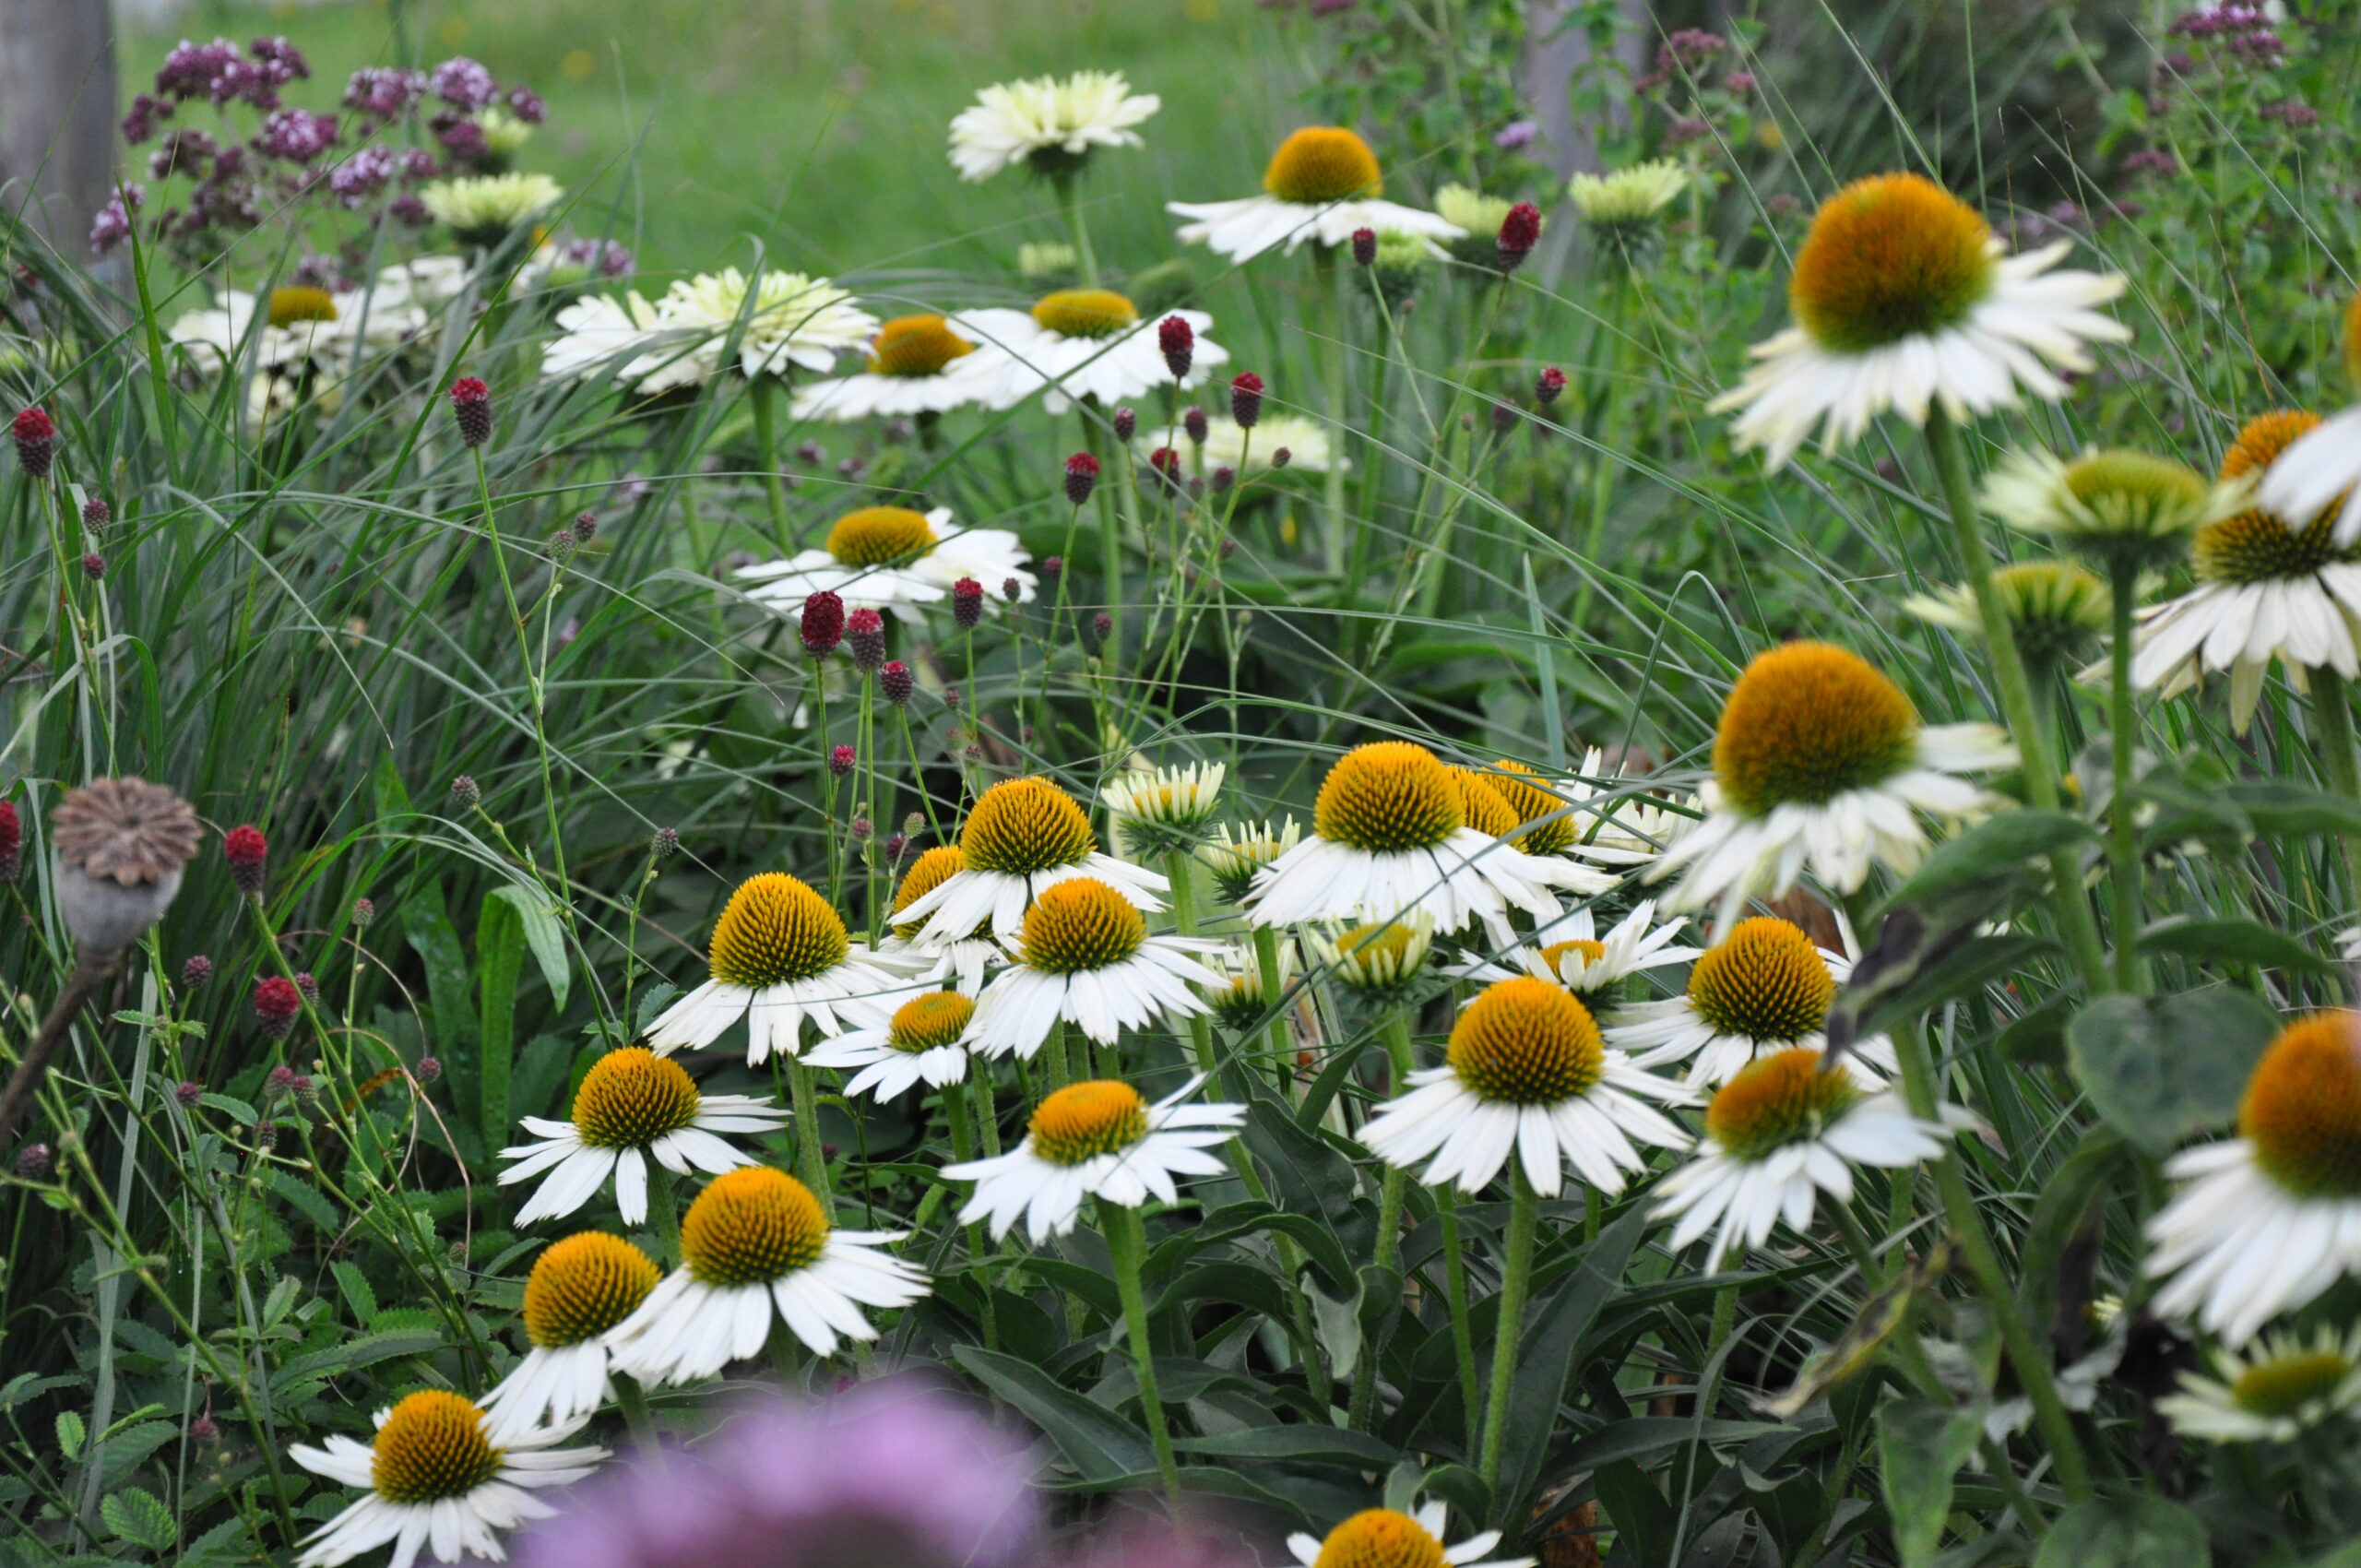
(1364, 246)
(823, 626)
(309, 987)
(1193, 421)
(248, 854)
(1281, 457)
(279, 1080)
(1245, 399)
(94, 566)
(465, 792)
(12, 843)
(97, 514)
(897, 682)
(1011, 589)
(1125, 421)
(277, 1004)
(1223, 476)
(34, 1162)
(1052, 568)
(841, 760)
(1551, 382)
(663, 841)
(471, 406)
(862, 829)
(36, 437)
(1082, 478)
(1179, 343)
(197, 970)
(1101, 624)
(865, 638)
(188, 1091)
(585, 527)
(1520, 231)
(1165, 464)
(896, 845)
(364, 912)
(950, 696)
(429, 1068)
(1504, 417)
(203, 1429)
(967, 603)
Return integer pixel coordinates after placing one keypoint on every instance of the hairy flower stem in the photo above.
(2075, 922)
(2333, 712)
(1127, 1245)
(763, 393)
(1266, 963)
(1455, 1291)
(2123, 825)
(1516, 1275)
(1179, 866)
(803, 1093)
(1391, 1184)
(664, 1214)
(1085, 262)
(632, 1400)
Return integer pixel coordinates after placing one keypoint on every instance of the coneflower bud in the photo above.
(1281, 457)
(967, 603)
(197, 970)
(1223, 476)
(364, 912)
(464, 792)
(34, 1160)
(36, 437)
(94, 566)
(663, 841)
(188, 1091)
(823, 626)
(1245, 399)
(429, 1068)
(279, 1081)
(585, 527)
(865, 638)
(471, 406)
(1180, 345)
(277, 1004)
(1193, 423)
(1125, 421)
(1520, 231)
(12, 843)
(1364, 246)
(1082, 478)
(97, 514)
(248, 854)
(1550, 383)
(841, 760)
(897, 682)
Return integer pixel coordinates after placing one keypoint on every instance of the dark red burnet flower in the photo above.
(1164, 463)
(1364, 246)
(12, 842)
(97, 514)
(1179, 341)
(1124, 423)
(967, 603)
(248, 854)
(1011, 589)
(94, 566)
(188, 1092)
(36, 437)
(309, 987)
(1520, 231)
(841, 760)
(1194, 422)
(1245, 399)
(197, 970)
(1082, 478)
(897, 682)
(1546, 387)
(865, 639)
(1052, 568)
(471, 407)
(823, 626)
(278, 1004)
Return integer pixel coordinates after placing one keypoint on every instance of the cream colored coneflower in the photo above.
(1570, 953)
(1049, 124)
(1629, 197)
(1099, 1139)
(1085, 957)
(911, 361)
(2114, 505)
(2056, 612)
(1247, 452)
(1381, 961)
(1822, 765)
(633, 1106)
(962, 960)
(2321, 471)
(1162, 811)
(780, 319)
(2292, 1383)
(1075, 344)
(578, 1290)
(630, 340)
(1905, 301)
(1763, 989)
(1234, 861)
(894, 559)
(1321, 185)
(485, 209)
(1022, 837)
(926, 1041)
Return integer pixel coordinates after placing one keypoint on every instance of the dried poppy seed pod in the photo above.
(121, 844)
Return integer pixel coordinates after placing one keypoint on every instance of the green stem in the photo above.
(1127, 1244)
(2333, 711)
(664, 1216)
(1070, 204)
(1516, 1274)
(1454, 1291)
(1332, 483)
(2075, 922)
(803, 1087)
(763, 389)
(641, 1422)
(1180, 867)
(2123, 837)
(1391, 1186)
(1266, 962)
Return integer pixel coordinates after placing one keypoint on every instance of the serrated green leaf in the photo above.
(364, 1350)
(358, 1296)
(1921, 1445)
(139, 1517)
(70, 1434)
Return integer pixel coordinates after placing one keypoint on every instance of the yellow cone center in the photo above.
(1388, 797)
(916, 346)
(632, 1096)
(1806, 722)
(877, 535)
(2284, 1384)
(583, 1285)
(930, 1021)
(1323, 164)
(432, 1446)
(1084, 1121)
(751, 1225)
(1527, 1042)
(1023, 825)
(1380, 1538)
(291, 306)
(1781, 1099)
(1890, 257)
(2302, 1109)
(1532, 803)
(2258, 546)
(1765, 982)
(1085, 313)
(929, 872)
(776, 929)
(1482, 806)
(1081, 923)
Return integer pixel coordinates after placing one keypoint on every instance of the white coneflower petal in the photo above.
(1048, 123)
(2290, 1384)
(578, 1290)
(1321, 186)
(1022, 837)
(893, 558)
(1386, 1538)
(1075, 344)
(1098, 1139)
(633, 1106)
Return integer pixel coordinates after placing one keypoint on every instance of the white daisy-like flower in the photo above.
(2114, 504)
(1378, 960)
(1821, 765)
(1552, 815)
(1160, 811)
(1390, 836)
(1571, 952)
(426, 282)
(633, 1106)
(1048, 123)
(438, 1482)
(2265, 590)
(2267, 1221)
(630, 340)
(1099, 1139)
(1384, 1538)
(927, 1041)
(1073, 344)
(281, 331)
(2306, 481)
(893, 558)
(1233, 862)
(780, 318)
(1761, 990)
(2056, 611)
(780, 956)
(1321, 185)
(1022, 837)
(1526, 1074)
(910, 365)
(2290, 1384)
(485, 209)
(962, 962)
(1085, 957)
(1618, 823)
(1238, 1001)
(1905, 301)
(579, 1288)
(1248, 451)
(1628, 196)
(1783, 1131)
(756, 1246)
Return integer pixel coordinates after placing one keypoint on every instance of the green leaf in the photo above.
(363, 1351)
(2232, 941)
(356, 1292)
(1099, 1445)
(2127, 1532)
(2004, 843)
(139, 1517)
(1304, 1445)
(2278, 805)
(543, 935)
(500, 957)
(1921, 1445)
(1545, 1354)
(2161, 1068)
(70, 1433)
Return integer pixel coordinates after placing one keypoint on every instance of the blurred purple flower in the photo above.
(891, 1472)
(1515, 135)
(384, 91)
(112, 226)
(296, 134)
(527, 105)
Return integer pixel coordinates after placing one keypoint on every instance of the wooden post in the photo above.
(57, 116)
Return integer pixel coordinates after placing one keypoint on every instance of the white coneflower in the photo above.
(1763, 989)
(633, 1106)
(893, 558)
(755, 1248)
(1391, 836)
(1099, 1139)
(909, 371)
(780, 956)
(1022, 837)
(485, 209)
(780, 318)
(1085, 957)
(1621, 822)
(578, 1290)
(2267, 1221)
(1378, 960)
(1385, 1538)
(1780, 1132)
(1635, 196)
(2292, 1383)
(1572, 954)
(1073, 344)
(1159, 811)
(2265, 590)
(1822, 765)
(2113, 505)
(962, 960)
(1233, 862)
(1526, 1073)
(1254, 451)
(2056, 611)
(1322, 183)
(1905, 301)
(1551, 814)
(2310, 476)
(1049, 124)
(283, 329)
(926, 1041)
(437, 1482)
(629, 340)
